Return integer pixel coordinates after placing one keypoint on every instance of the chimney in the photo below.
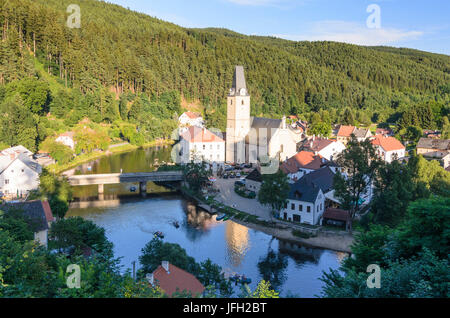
(165, 265)
(150, 278)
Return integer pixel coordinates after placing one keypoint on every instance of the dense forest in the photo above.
(126, 66)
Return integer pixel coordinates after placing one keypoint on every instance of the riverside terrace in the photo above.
(114, 178)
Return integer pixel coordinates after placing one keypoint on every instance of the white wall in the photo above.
(65, 140)
(210, 151)
(20, 179)
(332, 150)
(41, 237)
(317, 208)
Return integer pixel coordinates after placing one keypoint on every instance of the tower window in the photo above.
(242, 102)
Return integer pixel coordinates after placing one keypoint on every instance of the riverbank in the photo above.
(340, 241)
(113, 149)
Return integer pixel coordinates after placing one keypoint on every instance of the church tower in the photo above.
(238, 117)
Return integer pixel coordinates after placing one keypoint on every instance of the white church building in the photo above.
(248, 138)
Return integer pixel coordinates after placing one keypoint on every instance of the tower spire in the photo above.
(238, 80)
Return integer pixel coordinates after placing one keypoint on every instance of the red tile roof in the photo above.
(336, 214)
(345, 131)
(48, 211)
(175, 279)
(303, 159)
(192, 115)
(197, 134)
(387, 143)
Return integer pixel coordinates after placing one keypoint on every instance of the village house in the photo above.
(67, 139)
(201, 144)
(254, 180)
(387, 132)
(434, 134)
(388, 148)
(39, 215)
(336, 217)
(345, 133)
(302, 163)
(435, 149)
(172, 279)
(328, 149)
(189, 118)
(307, 197)
(19, 172)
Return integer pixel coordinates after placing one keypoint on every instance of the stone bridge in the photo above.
(114, 178)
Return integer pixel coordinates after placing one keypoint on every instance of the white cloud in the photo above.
(354, 33)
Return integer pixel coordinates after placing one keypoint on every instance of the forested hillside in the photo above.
(124, 65)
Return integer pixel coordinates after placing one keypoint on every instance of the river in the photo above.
(130, 222)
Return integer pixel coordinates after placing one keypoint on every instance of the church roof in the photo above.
(268, 123)
(239, 79)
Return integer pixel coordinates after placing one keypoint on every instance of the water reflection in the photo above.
(237, 239)
(300, 253)
(198, 222)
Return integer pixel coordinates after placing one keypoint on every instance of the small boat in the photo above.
(176, 224)
(221, 217)
(227, 217)
(133, 189)
(241, 279)
(159, 234)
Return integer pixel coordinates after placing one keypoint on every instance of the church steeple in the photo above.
(239, 87)
(238, 117)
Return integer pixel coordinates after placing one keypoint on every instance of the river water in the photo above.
(130, 222)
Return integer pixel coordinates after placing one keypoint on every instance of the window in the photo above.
(285, 205)
(296, 218)
(218, 147)
(308, 209)
(210, 147)
(204, 147)
(292, 206)
(242, 102)
(282, 148)
(218, 157)
(6, 181)
(300, 207)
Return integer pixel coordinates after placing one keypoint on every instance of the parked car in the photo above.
(239, 183)
(225, 176)
(238, 175)
(232, 176)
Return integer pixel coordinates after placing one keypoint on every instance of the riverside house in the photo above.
(307, 197)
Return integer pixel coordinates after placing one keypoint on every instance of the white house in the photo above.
(328, 149)
(19, 173)
(40, 215)
(306, 200)
(201, 144)
(389, 148)
(190, 119)
(67, 139)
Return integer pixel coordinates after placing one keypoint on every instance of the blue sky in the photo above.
(423, 25)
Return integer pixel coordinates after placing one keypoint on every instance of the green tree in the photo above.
(196, 175)
(263, 290)
(393, 191)
(274, 190)
(359, 163)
